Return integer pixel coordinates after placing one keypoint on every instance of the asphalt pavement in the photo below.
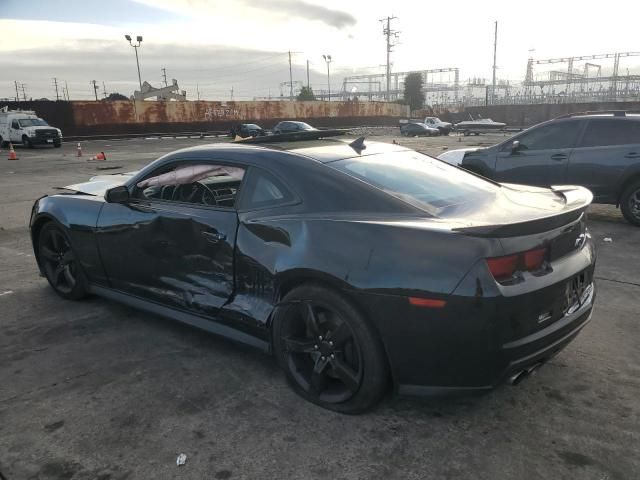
(96, 390)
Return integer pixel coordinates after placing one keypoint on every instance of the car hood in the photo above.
(99, 184)
(454, 157)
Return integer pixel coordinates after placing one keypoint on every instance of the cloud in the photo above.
(298, 9)
(308, 11)
(215, 69)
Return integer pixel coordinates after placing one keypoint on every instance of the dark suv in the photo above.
(598, 150)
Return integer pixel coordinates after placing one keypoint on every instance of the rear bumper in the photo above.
(486, 333)
(525, 354)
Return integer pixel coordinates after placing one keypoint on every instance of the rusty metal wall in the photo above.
(92, 118)
(79, 118)
(148, 112)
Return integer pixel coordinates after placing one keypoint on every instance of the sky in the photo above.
(214, 46)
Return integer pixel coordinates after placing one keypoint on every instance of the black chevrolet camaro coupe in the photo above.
(363, 267)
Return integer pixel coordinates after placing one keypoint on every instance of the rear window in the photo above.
(422, 181)
(603, 132)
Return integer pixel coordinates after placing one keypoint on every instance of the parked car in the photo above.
(25, 127)
(598, 150)
(434, 122)
(291, 126)
(246, 130)
(418, 130)
(355, 264)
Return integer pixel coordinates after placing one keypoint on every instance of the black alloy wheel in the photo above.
(26, 142)
(630, 203)
(60, 264)
(328, 351)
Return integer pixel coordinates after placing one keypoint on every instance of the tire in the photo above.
(26, 142)
(630, 203)
(350, 376)
(60, 264)
(57, 144)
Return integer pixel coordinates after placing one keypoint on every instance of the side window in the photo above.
(14, 124)
(612, 131)
(263, 190)
(199, 184)
(550, 136)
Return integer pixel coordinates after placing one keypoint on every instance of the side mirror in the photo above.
(515, 146)
(118, 194)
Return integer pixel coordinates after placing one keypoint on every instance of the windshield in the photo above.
(32, 122)
(420, 180)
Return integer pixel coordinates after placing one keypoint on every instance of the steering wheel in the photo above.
(209, 197)
(187, 193)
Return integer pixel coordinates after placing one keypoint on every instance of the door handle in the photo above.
(632, 155)
(214, 237)
(559, 156)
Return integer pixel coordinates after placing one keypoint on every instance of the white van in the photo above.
(25, 127)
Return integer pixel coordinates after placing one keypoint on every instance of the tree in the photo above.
(115, 96)
(306, 93)
(413, 95)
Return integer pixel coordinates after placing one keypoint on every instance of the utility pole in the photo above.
(389, 33)
(66, 87)
(198, 92)
(290, 79)
(24, 92)
(104, 90)
(164, 75)
(55, 82)
(495, 50)
(308, 84)
(17, 94)
(95, 89)
(232, 93)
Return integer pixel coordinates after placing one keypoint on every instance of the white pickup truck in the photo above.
(25, 127)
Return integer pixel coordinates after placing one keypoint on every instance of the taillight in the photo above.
(533, 259)
(504, 268)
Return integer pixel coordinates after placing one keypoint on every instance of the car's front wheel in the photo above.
(26, 142)
(630, 203)
(331, 356)
(60, 264)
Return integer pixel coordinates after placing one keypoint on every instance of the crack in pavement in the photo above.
(617, 281)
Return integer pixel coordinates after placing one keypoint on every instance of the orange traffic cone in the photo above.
(12, 152)
(79, 150)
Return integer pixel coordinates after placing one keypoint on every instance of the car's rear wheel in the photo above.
(26, 142)
(60, 264)
(630, 203)
(330, 355)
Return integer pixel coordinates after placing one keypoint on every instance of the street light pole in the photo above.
(135, 47)
(327, 58)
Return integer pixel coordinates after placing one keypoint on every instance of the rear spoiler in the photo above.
(530, 227)
(577, 201)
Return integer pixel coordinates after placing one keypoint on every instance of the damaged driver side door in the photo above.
(173, 241)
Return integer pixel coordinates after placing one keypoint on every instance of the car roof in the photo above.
(323, 150)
